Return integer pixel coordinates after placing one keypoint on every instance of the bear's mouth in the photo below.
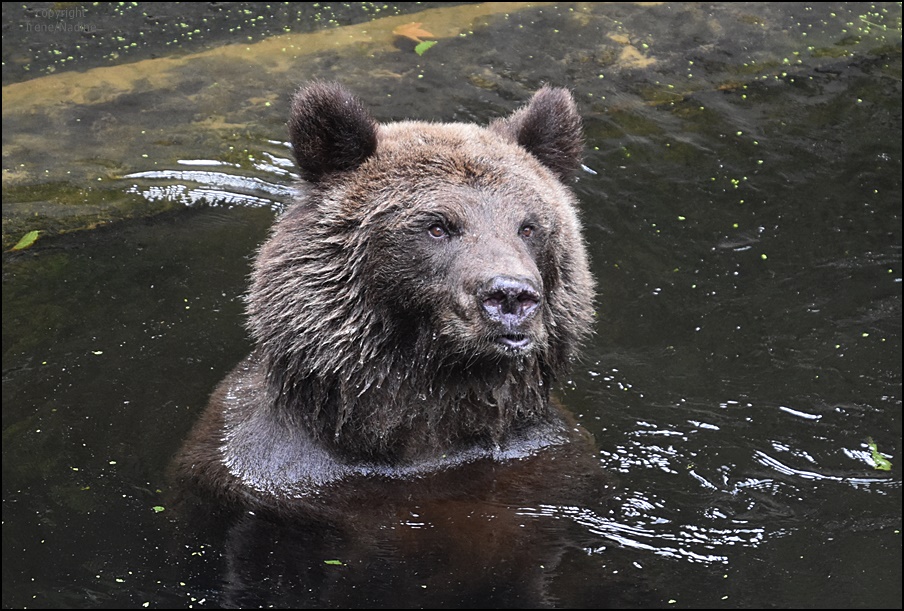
(516, 342)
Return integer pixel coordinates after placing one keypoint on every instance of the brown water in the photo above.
(742, 202)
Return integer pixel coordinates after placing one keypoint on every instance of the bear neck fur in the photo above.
(399, 412)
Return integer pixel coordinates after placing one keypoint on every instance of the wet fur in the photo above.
(375, 357)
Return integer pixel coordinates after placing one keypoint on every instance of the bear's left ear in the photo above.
(330, 130)
(549, 127)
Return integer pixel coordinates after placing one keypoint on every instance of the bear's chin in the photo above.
(514, 344)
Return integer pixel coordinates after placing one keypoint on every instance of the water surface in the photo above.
(742, 204)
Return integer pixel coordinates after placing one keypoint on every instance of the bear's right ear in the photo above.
(330, 130)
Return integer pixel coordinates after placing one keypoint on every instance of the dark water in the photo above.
(742, 203)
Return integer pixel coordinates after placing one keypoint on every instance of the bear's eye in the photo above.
(436, 230)
(527, 231)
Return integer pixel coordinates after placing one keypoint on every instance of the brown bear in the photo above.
(411, 313)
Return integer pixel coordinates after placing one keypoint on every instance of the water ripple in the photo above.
(215, 187)
(216, 178)
(660, 536)
(855, 481)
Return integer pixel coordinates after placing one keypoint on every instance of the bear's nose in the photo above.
(509, 300)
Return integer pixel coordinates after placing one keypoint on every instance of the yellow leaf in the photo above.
(412, 31)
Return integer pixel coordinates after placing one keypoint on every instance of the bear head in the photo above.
(430, 283)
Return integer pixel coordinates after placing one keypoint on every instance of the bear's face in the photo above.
(427, 269)
(464, 236)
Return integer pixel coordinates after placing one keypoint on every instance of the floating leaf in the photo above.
(158, 508)
(881, 463)
(422, 47)
(412, 31)
(334, 562)
(27, 240)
